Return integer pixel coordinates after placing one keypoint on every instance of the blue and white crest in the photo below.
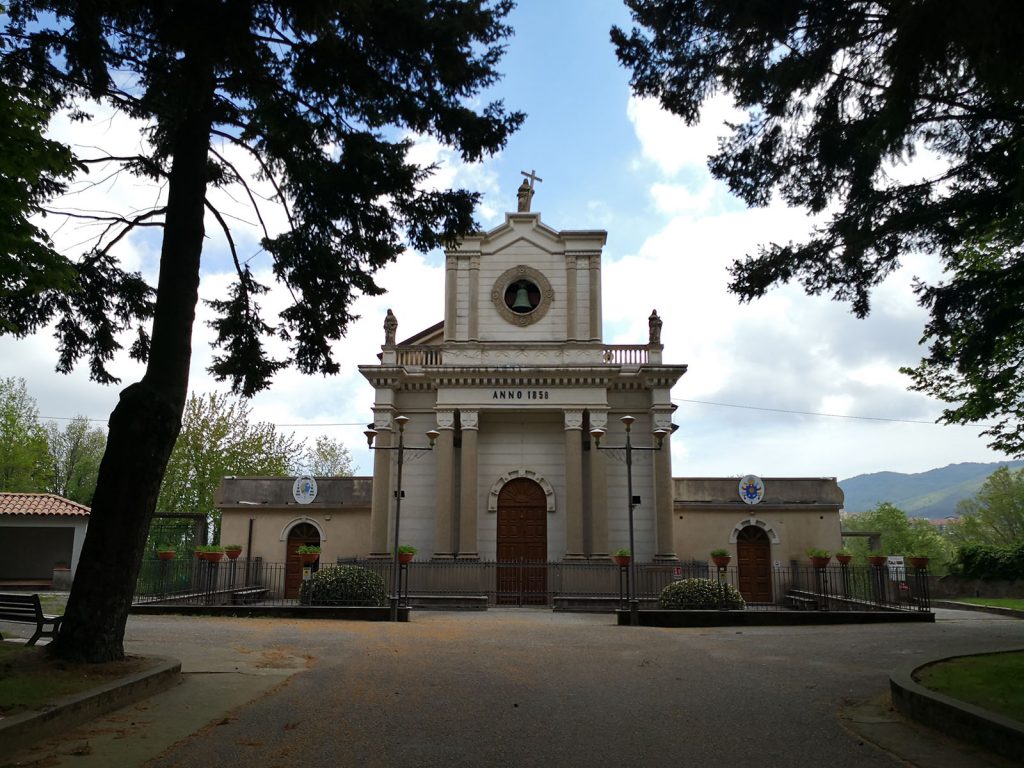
(304, 489)
(751, 489)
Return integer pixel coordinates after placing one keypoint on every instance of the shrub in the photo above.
(982, 561)
(695, 594)
(343, 585)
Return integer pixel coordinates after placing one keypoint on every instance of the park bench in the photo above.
(25, 609)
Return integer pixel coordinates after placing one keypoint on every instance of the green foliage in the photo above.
(699, 594)
(837, 95)
(995, 515)
(983, 561)
(624, 552)
(719, 553)
(232, 547)
(817, 552)
(209, 548)
(343, 585)
(75, 455)
(406, 549)
(216, 440)
(900, 535)
(308, 549)
(327, 458)
(24, 454)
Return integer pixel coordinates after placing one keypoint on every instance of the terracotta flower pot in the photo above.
(406, 557)
(918, 562)
(722, 561)
(213, 557)
(878, 560)
(165, 554)
(232, 554)
(844, 559)
(308, 558)
(621, 560)
(820, 562)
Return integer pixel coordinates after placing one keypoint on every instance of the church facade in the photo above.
(528, 410)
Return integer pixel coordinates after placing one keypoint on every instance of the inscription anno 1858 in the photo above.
(520, 394)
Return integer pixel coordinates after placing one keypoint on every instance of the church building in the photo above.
(514, 417)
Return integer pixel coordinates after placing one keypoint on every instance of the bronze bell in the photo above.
(522, 301)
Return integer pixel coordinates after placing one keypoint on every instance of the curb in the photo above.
(67, 712)
(967, 722)
(713, 618)
(1010, 613)
(337, 612)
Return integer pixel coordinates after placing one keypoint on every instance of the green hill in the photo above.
(933, 494)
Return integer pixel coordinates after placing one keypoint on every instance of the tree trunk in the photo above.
(145, 424)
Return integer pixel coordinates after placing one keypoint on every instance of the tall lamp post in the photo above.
(659, 438)
(432, 435)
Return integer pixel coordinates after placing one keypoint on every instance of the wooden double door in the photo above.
(301, 535)
(754, 566)
(522, 544)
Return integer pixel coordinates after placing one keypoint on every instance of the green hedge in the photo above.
(696, 594)
(343, 585)
(981, 561)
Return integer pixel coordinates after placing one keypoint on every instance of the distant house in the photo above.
(41, 537)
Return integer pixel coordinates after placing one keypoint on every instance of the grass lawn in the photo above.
(996, 602)
(29, 679)
(990, 681)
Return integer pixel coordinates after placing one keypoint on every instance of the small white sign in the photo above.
(751, 489)
(304, 489)
(897, 572)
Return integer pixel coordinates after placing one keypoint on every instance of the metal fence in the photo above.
(569, 585)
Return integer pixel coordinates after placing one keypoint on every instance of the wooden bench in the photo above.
(25, 609)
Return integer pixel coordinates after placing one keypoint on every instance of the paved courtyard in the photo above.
(516, 688)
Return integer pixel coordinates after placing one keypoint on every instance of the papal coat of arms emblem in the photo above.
(751, 489)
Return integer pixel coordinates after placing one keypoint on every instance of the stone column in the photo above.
(451, 265)
(380, 503)
(595, 298)
(468, 493)
(598, 491)
(663, 491)
(444, 505)
(573, 485)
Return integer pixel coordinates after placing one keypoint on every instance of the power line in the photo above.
(828, 415)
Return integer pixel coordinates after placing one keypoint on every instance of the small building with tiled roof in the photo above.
(41, 537)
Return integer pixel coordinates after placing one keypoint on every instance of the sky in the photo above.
(787, 386)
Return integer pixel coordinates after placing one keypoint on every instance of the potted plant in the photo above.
(232, 551)
(721, 557)
(920, 562)
(308, 554)
(819, 557)
(878, 560)
(165, 553)
(621, 557)
(844, 556)
(211, 552)
(406, 552)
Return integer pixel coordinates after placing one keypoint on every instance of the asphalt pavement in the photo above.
(525, 687)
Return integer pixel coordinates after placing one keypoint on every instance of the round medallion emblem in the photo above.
(751, 489)
(304, 489)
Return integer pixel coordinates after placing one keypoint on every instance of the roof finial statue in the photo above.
(525, 193)
(654, 326)
(390, 328)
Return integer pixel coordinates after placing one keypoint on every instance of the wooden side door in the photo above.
(301, 535)
(522, 543)
(754, 566)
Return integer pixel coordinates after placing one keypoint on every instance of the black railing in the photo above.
(599, 585)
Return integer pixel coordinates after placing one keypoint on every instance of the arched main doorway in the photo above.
(522, 543)
(754, 566)
(300, 535)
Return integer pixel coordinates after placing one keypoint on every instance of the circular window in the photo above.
(522, 295)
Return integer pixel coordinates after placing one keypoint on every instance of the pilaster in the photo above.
(451, 265)
(598, 491)
(595, 297)
(380, 503)
(573, 484)
(663, 488)
(445, 498)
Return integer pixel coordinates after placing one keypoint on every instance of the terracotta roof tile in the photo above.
(40, 504)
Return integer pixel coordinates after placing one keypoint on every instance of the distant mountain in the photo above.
(933, 494)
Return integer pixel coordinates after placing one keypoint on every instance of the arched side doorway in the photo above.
(301, 535)
(754, 566)
(522, 543)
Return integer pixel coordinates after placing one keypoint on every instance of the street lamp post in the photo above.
(659, 436)
(432, 435)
